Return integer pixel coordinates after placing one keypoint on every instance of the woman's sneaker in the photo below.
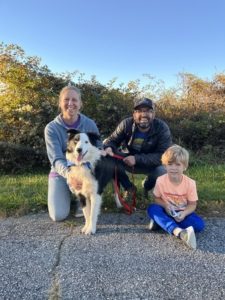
(79, 212)
(153, 225)
(188, 236)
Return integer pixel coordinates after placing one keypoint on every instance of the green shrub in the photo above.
(18, 157)
(29, 100)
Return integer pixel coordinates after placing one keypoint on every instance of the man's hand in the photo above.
(130, 160)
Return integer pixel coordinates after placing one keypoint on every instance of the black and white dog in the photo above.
(93, 170)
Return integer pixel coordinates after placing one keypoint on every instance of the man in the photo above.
(146, 139)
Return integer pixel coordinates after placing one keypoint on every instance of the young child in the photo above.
(176, 199)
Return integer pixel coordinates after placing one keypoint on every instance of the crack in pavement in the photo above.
(54, 292)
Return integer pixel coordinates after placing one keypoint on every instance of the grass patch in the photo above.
(211, 188)
(22, 194)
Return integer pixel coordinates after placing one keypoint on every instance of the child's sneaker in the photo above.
(188, 236)
(153, 225)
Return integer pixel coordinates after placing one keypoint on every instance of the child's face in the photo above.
(175, 169)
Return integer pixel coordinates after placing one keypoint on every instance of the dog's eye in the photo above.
(86, 142)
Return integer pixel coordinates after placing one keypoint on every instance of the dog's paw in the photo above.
(83, 230)
(90, 230)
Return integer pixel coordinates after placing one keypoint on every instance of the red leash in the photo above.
(118, 156)
(129, 208)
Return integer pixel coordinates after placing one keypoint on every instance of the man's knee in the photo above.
(150, 180)
(159, 171)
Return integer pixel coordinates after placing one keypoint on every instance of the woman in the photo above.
(59, 195)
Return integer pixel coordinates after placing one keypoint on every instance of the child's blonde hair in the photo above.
(175, 154)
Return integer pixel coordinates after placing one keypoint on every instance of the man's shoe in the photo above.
(117, 200)
(143, 201)
(188, 236)
(145, 194)
(145, 191)
(153, 225)
(129, 194)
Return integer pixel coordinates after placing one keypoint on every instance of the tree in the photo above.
(28, 98)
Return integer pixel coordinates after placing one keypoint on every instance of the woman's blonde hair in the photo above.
(69, 88)
(175, 154)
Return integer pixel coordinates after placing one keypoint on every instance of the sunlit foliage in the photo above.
(194, 110)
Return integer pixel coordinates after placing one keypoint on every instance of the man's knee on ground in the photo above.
(150, 180)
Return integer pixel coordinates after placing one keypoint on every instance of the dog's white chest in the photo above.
(83, 174)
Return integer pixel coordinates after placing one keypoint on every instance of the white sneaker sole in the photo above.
(79, 214)
(152, 225)
(118, 203)
(191, 241)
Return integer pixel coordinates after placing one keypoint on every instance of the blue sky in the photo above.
(120, 38)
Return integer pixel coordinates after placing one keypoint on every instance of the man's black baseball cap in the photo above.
(144, 102)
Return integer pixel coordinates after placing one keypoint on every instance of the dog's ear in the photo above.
(93, 137)
(71, 133)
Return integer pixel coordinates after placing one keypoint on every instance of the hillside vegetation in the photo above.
(194, 110)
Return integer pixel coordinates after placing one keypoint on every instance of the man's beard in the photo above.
(144, 125)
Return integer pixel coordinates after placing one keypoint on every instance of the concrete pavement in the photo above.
(40, 259)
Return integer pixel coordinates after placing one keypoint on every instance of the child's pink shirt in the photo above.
(176, 195)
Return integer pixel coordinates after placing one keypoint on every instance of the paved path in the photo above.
(40, 259)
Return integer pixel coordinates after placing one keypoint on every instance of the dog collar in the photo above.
(87, 164)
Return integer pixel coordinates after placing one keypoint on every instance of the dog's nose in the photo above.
(79, 150)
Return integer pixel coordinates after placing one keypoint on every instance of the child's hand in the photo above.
(180, 217)
(167, 209)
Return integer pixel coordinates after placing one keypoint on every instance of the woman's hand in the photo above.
(103, 153)
(109, 151)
